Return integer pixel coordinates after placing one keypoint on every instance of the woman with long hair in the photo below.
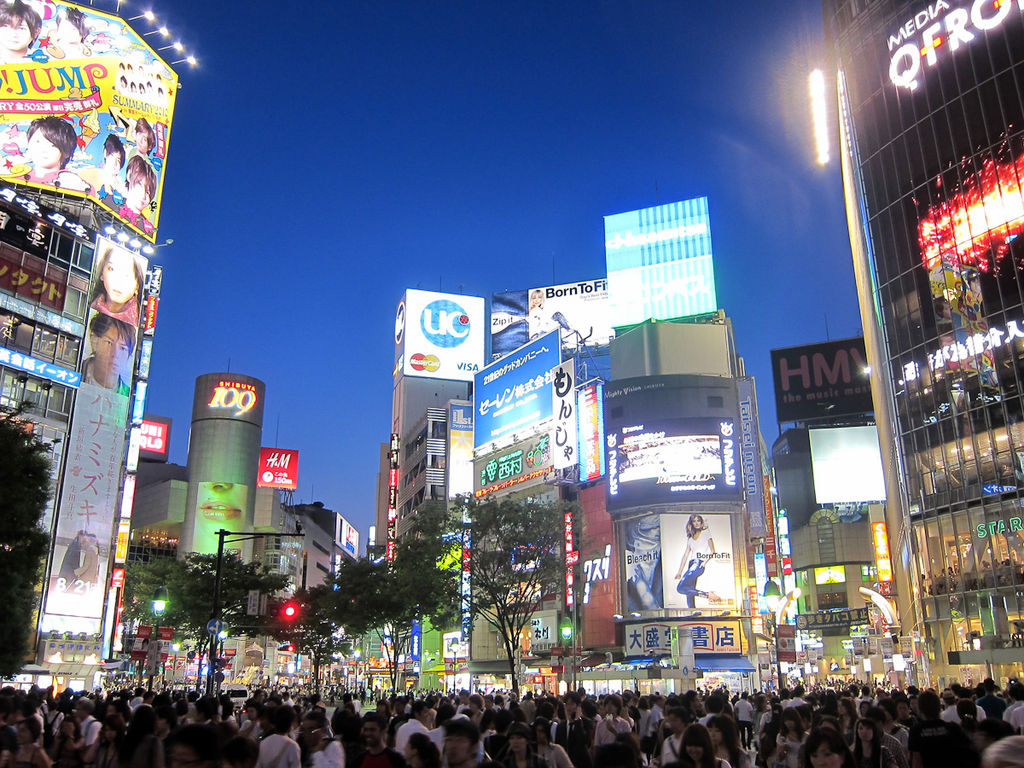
(421, 752)
(698, 748)
(519, 753)
(111, 736)
(848, 718)
(30, 754)
(868, 751)
(791, 738)
(552, 754)
(68, 745)
(140, 747)
(826, 748)
(725, 737)
(700, 547)
(768, 736)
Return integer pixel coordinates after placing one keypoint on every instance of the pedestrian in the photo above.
(278, 749)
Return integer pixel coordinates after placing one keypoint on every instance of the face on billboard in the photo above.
(440, 335)
(672, 459)
(513, 394)
(578, 310)
(659, 263)
(87, 108)
(697, 558)
(218, 505)
(641, 548)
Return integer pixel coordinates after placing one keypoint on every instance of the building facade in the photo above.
(930, 118)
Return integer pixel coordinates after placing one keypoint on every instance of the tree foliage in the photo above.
(190, 586)
(516, 560)
(24, 490)
(385, 598)
(313, 630)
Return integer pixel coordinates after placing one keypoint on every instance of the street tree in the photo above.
(516, 557)
(312, 630)
(190, 585)
(24, 490)
(419, 584)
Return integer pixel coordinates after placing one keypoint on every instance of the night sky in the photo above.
(327, 156)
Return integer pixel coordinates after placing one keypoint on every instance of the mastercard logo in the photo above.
(420, 362)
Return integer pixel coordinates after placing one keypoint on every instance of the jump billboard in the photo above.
(578, 310)
(439, 335)
(660, 263)
(86, 109)
(514, 393)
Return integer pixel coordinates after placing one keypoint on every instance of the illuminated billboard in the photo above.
(229, 396)
(75, 591)
(439, 335)
(666, 460)
(279, 468)
(155, 439)
(660, 263)
(847, 465)
(698, 561)
(86, 110)
(218, 506)
(460, 449)
(578, 310)
(524, 462)
(827, 379)
(513, 394)
(590, 409)
(641, 554)
(349, 538)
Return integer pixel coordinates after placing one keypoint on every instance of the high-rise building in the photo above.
(932, 152)
(85, 146)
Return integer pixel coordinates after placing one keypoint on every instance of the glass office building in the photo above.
(931, 119)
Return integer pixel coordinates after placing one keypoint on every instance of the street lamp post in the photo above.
(215, 615)
(160, 599)
(772, 596)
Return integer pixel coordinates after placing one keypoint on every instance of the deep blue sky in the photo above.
(326, 156)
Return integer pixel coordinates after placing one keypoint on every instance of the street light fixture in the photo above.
(160, 599)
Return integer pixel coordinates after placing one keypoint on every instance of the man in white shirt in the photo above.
(1015, 691)
(949, 714)
(672, 746)
(422, 721)
(90, 728)
(744, 711)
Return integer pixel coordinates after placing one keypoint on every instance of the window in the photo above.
(68, 350)
(83, 257)
(75, 303)
(44, 345)
(58, 404)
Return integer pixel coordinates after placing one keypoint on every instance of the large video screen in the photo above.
(86, 108)
(660, 263)
(673, 460)
(847, 465)
(578, 310)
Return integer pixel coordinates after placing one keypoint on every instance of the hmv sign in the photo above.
(819, 381)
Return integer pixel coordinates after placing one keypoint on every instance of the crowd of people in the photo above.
(835, 727)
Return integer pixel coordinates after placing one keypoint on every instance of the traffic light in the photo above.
(289, 647)
(290, 610)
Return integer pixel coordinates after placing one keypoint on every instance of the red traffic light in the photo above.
(289, 610)
(291, 648)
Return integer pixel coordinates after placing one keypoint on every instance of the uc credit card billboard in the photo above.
(440, 335)
(85, 109)
(660, 263)
(514, 393)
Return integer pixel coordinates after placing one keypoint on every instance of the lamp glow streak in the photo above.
(819, 115)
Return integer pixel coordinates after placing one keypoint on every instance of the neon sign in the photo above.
(234, 395)
(880, 537)
(936, 29)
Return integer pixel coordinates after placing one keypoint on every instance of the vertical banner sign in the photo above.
(392, 497)
(883, 561)
(750, 455)
(771, 548)
(572, 557)
(785, 642)
(96, 443)
(563, 433)
(590, 417)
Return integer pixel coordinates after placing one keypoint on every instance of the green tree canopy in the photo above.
(313, 630)
(24, 490)
(516, 560)
(386, 598)
(190, 585)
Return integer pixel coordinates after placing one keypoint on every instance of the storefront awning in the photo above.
(723, 662)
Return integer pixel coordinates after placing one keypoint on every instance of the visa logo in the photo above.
(468, 367)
